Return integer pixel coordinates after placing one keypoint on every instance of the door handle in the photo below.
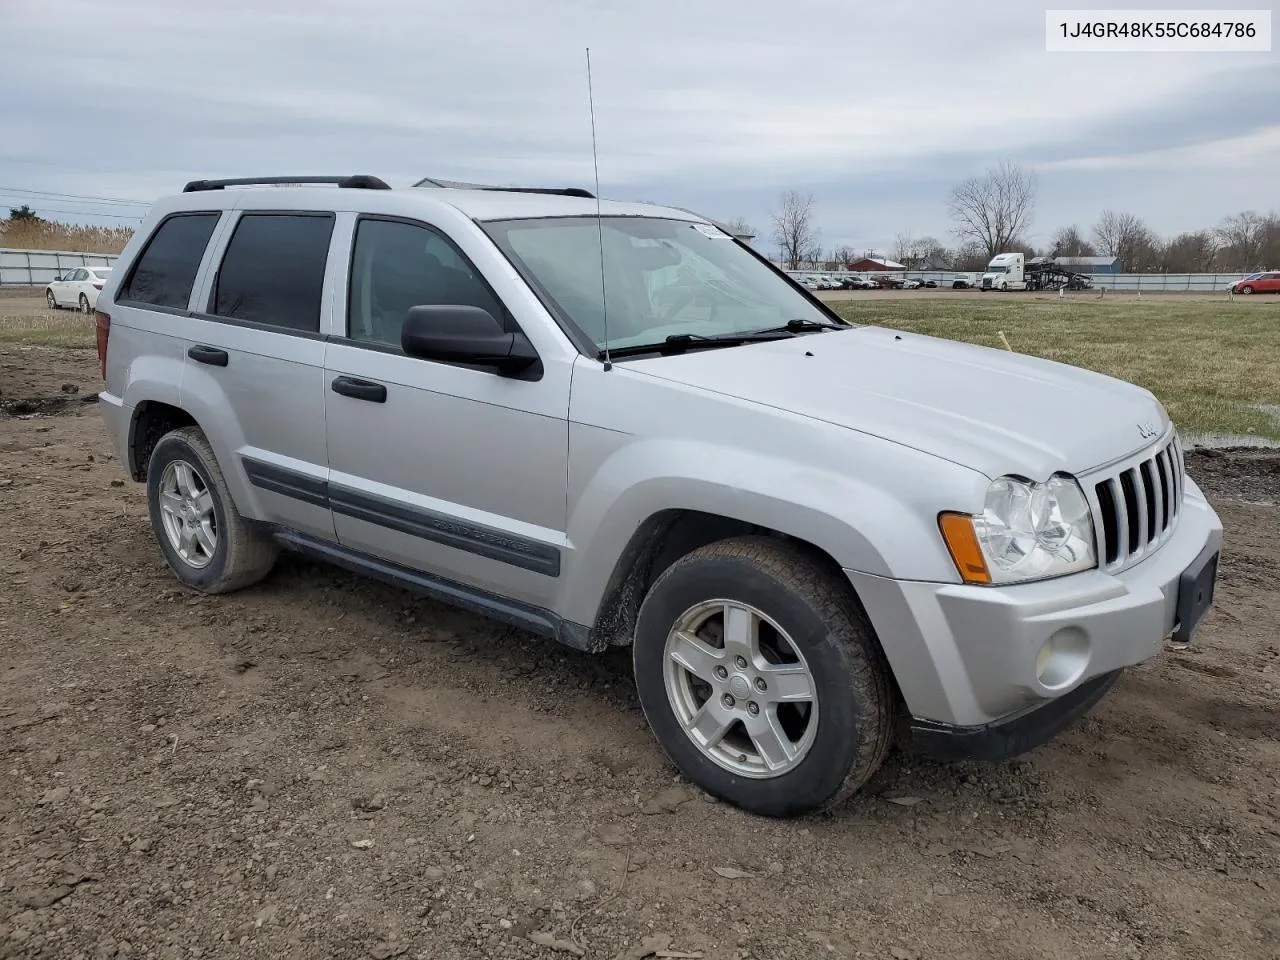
(210, 355)
(360, 389)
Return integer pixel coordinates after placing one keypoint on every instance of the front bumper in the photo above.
(965, 656)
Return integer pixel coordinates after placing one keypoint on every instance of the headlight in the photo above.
(1026, 531)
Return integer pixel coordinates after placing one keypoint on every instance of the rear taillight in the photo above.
(102, 324)
(97, 286)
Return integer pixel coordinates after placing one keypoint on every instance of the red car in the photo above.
(1258, 283)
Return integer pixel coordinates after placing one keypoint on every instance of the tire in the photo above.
(84, 303)
(849, 725)
(241, 555)
(1246, 290)
(50, 300)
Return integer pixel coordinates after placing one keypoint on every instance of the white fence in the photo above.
(1130, 282)
(38, 267)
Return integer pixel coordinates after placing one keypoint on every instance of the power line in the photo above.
(72, 196)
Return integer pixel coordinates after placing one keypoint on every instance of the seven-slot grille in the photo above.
(1138, 506)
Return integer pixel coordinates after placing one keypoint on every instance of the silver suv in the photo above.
(614, 424)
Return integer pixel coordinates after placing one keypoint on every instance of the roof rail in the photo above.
(360, 181)
(461, 185)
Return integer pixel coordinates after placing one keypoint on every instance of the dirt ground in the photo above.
(323, 767)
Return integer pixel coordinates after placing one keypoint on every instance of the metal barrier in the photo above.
(38, 267)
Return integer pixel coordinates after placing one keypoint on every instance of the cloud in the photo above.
(716, 105)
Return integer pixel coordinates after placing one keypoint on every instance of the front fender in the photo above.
(863, 523)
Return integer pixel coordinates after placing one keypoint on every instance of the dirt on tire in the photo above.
(324, 767)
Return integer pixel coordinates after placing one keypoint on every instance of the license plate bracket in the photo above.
(1195, 593)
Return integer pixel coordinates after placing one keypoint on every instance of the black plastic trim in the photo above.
(461, 185)
(1196, 586)
(1013, 735)
(429, 525)
(359, 181)
(290, 483)
(525, 616)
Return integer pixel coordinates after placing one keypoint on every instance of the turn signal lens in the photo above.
(962, 542)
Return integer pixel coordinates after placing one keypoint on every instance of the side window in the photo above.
(395, 266)
(273, 270)
(166, 270)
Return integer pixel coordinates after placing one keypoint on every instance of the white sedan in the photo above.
(77, 288)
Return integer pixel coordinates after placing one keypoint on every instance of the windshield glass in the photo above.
(663, 278)
(997, 268)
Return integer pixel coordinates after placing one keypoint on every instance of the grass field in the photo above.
(1214, 364)
(61, 329)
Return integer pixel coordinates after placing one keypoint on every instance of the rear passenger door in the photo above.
(255, 363)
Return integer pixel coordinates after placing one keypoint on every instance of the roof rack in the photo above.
(360, 181)
(461, 185)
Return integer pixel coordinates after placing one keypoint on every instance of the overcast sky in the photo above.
(716, 105)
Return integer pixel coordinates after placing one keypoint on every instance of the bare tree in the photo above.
(793, 229)
(1241, 238)
(1067, 242)
(991, 211)
(843, 256)
(1126, 237)
(1191, 252)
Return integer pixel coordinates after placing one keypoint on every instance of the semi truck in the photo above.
(1012, 271)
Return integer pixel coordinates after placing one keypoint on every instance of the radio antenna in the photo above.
(595, 162)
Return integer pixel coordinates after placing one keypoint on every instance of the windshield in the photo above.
(997, 268)
(664, 278)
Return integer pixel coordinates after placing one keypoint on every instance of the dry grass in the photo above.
(1213, 363)
(48, 235)
(60, 329)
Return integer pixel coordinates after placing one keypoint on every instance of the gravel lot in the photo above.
(322, 767)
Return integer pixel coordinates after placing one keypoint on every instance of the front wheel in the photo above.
(1246, 290)
(762, 678)
(51, 300)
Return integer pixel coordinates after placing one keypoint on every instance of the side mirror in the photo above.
(461, 334)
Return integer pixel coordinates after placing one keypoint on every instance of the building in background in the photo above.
(1090, 264)
(875, 265)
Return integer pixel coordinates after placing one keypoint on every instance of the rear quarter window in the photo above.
(166, 269)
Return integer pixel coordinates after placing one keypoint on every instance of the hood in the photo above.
(990, 410)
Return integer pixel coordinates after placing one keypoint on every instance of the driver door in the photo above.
(452, 470)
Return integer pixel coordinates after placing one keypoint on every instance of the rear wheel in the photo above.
(205, 541)
(761, 677)
(84, 303)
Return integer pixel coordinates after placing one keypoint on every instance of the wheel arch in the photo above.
(658, 542)
(151, 420)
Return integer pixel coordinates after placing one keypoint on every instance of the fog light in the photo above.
(1063, 658)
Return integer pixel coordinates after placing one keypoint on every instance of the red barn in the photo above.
(868, 265)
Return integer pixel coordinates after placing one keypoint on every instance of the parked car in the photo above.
(1265, 282)
(929, 283)
(77, 288)
(909, 283)
(810, 534)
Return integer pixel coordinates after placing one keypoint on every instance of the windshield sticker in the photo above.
(715, 233)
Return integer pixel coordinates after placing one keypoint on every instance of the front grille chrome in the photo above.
(1136, 505)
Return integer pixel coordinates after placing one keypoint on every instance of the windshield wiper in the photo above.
(679, 342)
(799, 325)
